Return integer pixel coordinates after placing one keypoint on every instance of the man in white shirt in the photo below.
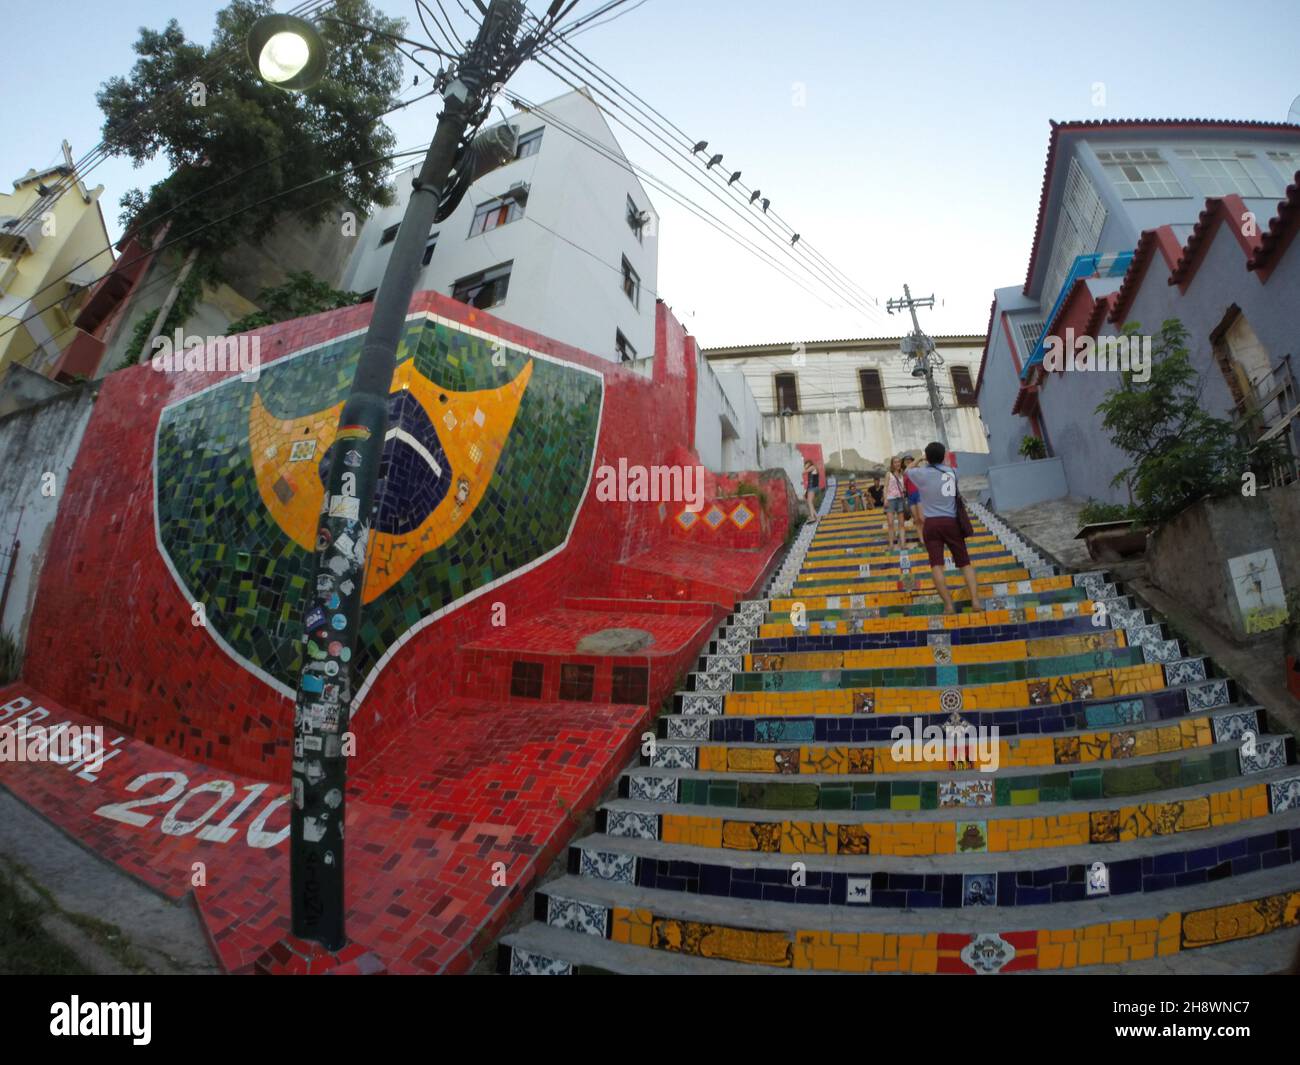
(937, 485)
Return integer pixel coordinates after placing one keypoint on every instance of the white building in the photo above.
(563, 241)
(857, 398)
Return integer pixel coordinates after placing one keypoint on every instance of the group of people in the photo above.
(924, 491)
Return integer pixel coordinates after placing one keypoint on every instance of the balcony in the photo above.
(1097, 264)
(19, 239)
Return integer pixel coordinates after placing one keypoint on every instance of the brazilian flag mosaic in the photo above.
(487, 459)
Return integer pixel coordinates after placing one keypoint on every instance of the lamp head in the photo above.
(287, 52)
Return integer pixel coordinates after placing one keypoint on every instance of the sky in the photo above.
(904, 142)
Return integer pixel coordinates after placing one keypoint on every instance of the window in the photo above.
(626, 352)
(1287, 164)
(636, 219)
(497, 212)
(389, 235)
(961, 384)
(429, 245)
(529, 143)
(1219, 171)
(1140, 174)
(787, 394)
(484, 289)
(873, 391)
(1029, 333)
(1078, 229)
(631, 283)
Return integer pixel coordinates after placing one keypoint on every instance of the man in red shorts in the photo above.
(937, 486)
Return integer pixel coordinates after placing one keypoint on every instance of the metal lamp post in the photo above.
(293, 53)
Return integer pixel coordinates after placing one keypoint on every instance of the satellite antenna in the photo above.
(1293, 116)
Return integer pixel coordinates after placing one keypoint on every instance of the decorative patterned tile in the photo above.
(652, 789)
(526, 963)
(965, 793)
(694, 704)
(588, 918)
(987, 953)
(1208, 696)
(742, 516)
(630, 824)
(857, 891)
(1185, 671)
(979, 889)
(1284, 794)
(670, 756)
(1098, 880)
(688, 728)
(1165, 651)
(603, 865)
(713, 682)
(1231, 727)
(1269, 753)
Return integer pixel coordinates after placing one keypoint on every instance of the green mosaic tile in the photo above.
(230, 551)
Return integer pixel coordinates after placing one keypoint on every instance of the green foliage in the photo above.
(11, 659)
(322, 148)
(1094, 512)
(186, 300)
(302, 293)
(1033, 448)
(1179, 452)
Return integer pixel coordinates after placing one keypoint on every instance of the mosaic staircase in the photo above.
(1140, 813)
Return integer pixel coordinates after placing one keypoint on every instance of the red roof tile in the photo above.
(1281, 230)
(1227, 210)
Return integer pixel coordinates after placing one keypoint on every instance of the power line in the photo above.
(819, 276)
(175, 207)
(226, 218)
(586, 63)
(167, 276)
(680, 198)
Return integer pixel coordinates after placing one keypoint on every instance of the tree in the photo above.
(301, 294)
(245, 155)
(1179, 452)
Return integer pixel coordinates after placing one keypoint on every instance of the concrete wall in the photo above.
(1001, 381)
(21, 387)
(1024, 483)
(40, 439)
(972, 465)
(831, 412)
(864, 441)
(1189, 557)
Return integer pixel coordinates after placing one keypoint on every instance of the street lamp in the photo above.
(289, 53)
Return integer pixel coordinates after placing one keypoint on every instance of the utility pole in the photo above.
(925, 358)
(332, 610)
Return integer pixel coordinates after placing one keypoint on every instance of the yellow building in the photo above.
(53, 247)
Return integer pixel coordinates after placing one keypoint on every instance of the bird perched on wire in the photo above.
(734, 178)
(756, 195)
(794, 240)
(699, 147)
(714, 161)
(766, 204)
